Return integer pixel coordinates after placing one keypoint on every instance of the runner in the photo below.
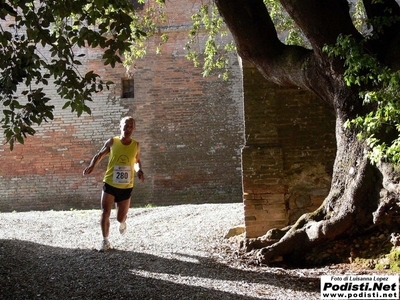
(123, 160)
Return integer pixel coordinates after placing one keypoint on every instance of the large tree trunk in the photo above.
(362, 195)
(349, 207)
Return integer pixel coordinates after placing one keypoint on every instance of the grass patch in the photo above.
(390, 262)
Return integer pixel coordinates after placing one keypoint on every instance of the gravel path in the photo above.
(175, 252)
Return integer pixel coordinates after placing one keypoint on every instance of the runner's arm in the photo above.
(98, 157)
(138, 165)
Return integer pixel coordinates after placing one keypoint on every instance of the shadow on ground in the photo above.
(34, 271)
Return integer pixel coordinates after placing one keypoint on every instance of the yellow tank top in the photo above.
(120, 168)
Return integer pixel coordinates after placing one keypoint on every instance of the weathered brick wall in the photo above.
(191, 131)
(190, 128)
(194, 128)
(289, 153)
(46, 172)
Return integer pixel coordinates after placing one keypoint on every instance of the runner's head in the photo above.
(127, 126)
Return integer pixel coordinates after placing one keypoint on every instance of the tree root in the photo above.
(388, 210)
(298, 239)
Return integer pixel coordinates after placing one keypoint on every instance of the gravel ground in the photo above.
(174, 252)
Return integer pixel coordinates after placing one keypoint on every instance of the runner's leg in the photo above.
(122, 209)
(107, 201)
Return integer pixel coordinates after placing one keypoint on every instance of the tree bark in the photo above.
(361, 194)
(348, 209)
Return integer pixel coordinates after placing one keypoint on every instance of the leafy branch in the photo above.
(379, 88)
(215, 54)
(60, 29)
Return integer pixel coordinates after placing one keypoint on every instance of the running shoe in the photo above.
(122, 228)
(105, 245)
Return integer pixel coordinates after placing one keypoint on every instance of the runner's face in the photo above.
(127, 127)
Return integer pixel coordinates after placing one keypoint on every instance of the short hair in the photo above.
(127, 118)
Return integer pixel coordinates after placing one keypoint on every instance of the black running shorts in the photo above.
(119, 194)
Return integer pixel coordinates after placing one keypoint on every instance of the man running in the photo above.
(123, 160)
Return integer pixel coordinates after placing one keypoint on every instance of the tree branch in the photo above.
(384, 18)
(257, 41)
(321, 20)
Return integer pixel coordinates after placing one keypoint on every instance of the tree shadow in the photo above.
(34, 271)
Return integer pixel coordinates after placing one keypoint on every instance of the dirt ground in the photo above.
(175, 252)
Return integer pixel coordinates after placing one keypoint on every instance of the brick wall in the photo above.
(194, 128)
(190, 128)
(289, 153)
(195, 133)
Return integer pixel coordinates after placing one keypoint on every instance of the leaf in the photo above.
(66, 104)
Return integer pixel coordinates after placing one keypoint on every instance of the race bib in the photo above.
(122, 174)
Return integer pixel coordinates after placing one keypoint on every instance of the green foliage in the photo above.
(144, 26)
(215, 53)
(379, 87)
(359, 15)
(380, 91)
(60, 28)
(286, 27)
